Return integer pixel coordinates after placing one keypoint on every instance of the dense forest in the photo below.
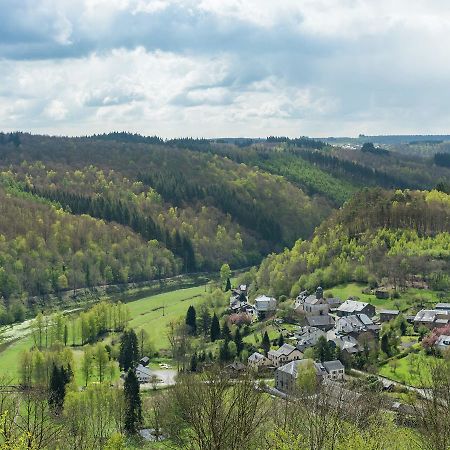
(393, 237)
(132, 208)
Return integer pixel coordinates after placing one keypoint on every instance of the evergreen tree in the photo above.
(215, 328)
(129, 350)
(228, 285)
(205, 320)
(57, 389)
(385, 345)
(238, 341)
(226, 332)
(191, 320)
(194, 362)
(224, 352)
(280, 340)
(265, 344)
(133, 404)
(323, 350)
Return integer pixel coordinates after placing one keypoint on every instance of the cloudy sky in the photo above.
(225, 67)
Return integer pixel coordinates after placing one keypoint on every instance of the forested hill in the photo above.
(196, 203)
(378, 236)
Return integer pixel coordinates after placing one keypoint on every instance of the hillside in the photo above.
(377, 236)
(182, 205)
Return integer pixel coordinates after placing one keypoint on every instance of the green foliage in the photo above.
(215, 328)
(133, 404)
(191, 319)
(129, 350)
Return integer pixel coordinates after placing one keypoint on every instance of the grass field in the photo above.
(151, 313)
(403, 303)
(154, 313)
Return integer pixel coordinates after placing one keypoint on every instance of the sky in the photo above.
(217, 68)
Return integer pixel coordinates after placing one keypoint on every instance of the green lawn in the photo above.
(403, 303)
(407, 369)
(154, 313)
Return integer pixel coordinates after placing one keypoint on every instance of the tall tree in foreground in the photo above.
(129, 350)
(265, 343)
(133, 405)
(209, 412)
(57, 389)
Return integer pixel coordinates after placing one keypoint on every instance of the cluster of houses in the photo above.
(438, 317)
(263, 307)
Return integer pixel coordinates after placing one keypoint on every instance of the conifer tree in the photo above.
(226, 333)
(215, 328)
(129, 350)
(280, 340)
(191, 320)
(265, 343)
(133, 404)
(228, 285)
(238, 341)
(57, 389)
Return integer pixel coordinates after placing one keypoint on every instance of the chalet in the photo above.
(432, 318)
(265, 306)
(356, 325)
(257, 360)
(312, 305)
(351, 307)
(324, 323)
(286, 353)
(286, 376)
(143, 374)
(386, 315)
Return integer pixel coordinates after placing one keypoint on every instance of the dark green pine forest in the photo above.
(119, 208)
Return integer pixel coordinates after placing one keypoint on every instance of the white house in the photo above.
(265, 305)
(312, 305)
(351, 307)
(286, 353)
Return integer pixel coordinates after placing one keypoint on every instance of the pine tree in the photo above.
(224, 352)
(194, 362)
(228, 285)
(238, 341)
(280, 340)
(265, 344)
(129, 350)
(215, 328)
(191, 320)
(226, 333)
(56, 389)
(133, 404)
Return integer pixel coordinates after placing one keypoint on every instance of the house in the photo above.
(257, 360)
(443, 343)
(265, 306)
(307, 337)
(442, 307)
(324, 323)
(356, 325)
(145, 361)
(347, 343)
(236, 368)
(386, 315)
(432, 318)
(284, 354)
(351, 307)
(381, 293)
(334, 303)
(143, 374)
(286, 376)
(312, 305)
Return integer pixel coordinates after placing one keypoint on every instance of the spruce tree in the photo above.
(133, 404)
(238, 341)
(226, 333)
(265, 344)
(215, 328)
(194, 362)
(129, 350)
(224, 352)
(280, 340)
(228, 285)
(191, 320)
(56, 389)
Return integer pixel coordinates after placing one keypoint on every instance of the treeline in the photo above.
(378, 235)
(45, 250)
(114, 210)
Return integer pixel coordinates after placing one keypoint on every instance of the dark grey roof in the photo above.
(315, 321)
(390, 311)
(333, 365)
